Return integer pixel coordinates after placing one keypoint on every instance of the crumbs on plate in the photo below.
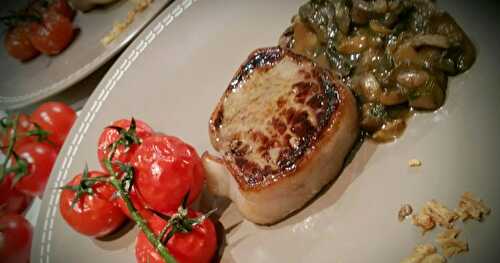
(414, 163)
(434, 213)
(404, 211)
(426, 253)
(471, 207)
(450, 244)
(119, 27)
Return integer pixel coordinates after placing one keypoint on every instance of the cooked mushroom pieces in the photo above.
(392, 53)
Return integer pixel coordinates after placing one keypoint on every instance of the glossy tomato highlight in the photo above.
(110, 135)
(166, 169)
(93, 215)
(40, 157)
(55, 117)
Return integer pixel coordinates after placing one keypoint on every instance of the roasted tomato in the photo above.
(63, 8)
(18, 44)
(55, 117)
(39, 157)
(166, 169)
(24, 125)
(95, 214)
(11, 200)
(15, 239)
(53, 34)
(110, 135)
(197, 246)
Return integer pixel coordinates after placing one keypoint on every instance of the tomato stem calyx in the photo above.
(85, 185)
(127, 138)
(180, 222)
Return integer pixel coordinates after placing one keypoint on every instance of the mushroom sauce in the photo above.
(395, 55)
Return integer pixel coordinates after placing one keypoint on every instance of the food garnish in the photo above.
(121, 26)
(414, 163)
(450, 244)
(404, 211)
(434, 212)
(471, 207)
(426, 253)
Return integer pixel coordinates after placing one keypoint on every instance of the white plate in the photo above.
(25, 83)
(174, 85)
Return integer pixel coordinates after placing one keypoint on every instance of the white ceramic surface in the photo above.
(25, 83)
(172, 76)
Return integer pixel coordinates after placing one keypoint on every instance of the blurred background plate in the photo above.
(25, 83)
(174, 86)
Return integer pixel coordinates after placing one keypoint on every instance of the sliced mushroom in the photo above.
(390, 131)
(429, 97)
(373, 116)
(393, 96)
(367, 87)
(411, 77)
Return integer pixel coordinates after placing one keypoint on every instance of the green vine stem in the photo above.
(10, 148)
(156, 242)
(117, 183)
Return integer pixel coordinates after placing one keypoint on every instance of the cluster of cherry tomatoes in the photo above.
(167, 172)
(45, 26)
(31, 143)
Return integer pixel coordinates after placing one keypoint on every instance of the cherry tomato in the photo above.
(93, 215)
(24, 125)
(18, 44)
(136, 201)
(166, 169)
(15, 239)
(55, 117)
(53, 34)
(63, 8)
(40, 157)
(11, 200)
(110, 135)
(197, 246)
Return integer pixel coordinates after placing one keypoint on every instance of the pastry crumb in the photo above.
(471, 207)
(440, 213)
(119, 27)
(426, 253)
(404, 211)
(450, 244)
(414, 163)
(423, 221)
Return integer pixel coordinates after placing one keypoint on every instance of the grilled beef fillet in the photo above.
(283, 128)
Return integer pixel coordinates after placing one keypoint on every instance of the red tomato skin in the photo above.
(11, 200)
(109, 136)
(18, 44)
(53, 34)
(16, 233)
(93, 215)
(198, 246)
(137, 202)
(24, 125)
(40, 157)
(55, 117)
(63, 8)
(166, 169)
